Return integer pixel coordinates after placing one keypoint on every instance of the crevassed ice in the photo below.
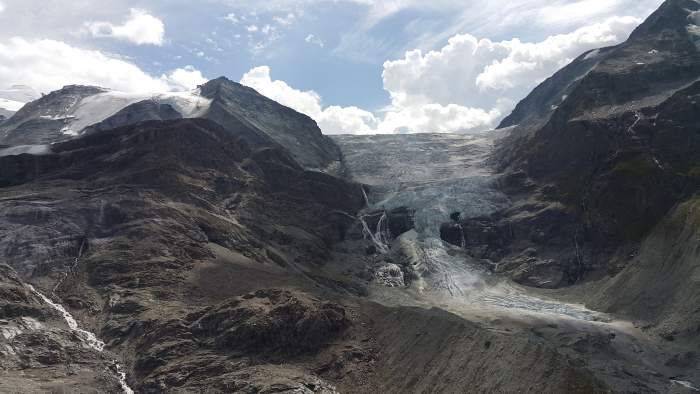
(96, 108)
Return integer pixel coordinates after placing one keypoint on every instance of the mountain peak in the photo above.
(672, 16)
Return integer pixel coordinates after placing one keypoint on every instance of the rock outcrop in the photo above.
(140, 228)
(234, 104)
(598, 154)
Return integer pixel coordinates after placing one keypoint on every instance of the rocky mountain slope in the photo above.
(600, 160)
(139, 229)
(596, 155)
(198, 261)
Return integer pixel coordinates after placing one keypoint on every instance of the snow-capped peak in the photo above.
(96, 108)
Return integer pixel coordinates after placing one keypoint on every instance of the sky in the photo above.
(355, 66)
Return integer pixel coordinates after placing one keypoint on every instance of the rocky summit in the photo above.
(215, 241)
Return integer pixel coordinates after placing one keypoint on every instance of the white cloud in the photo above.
(485, 77)
(312, 39)
(2, 6)
(332, 120)
(535, 62)
(285, 20)
(252, 28)
(347, 120)
(232, 18)
(47, 65)
(468, 85)
(307, 102)
(185, 78)
(140, 28)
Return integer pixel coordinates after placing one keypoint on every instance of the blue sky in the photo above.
(356, 66)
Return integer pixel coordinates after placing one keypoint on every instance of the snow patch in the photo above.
(20, 93)
(592, 54)
(26, 149)
(694, 17)
(12, 329)
(94, 109)
(188, 104)
(685, 384)
(11, 105)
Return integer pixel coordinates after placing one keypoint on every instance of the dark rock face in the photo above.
(234, 105)
(538, 105)
(534, 243)
(613, 138)
(247, 330)
(173, 217)
(136, 113)
(452, 233)
(400, 220)
(272, 321)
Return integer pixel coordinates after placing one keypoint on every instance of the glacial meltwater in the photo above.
(88, 338)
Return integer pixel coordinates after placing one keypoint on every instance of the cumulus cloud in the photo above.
(307, 102)
(332, 120)
(468, 85)
(181, 79)
(286, 20)
(312, 39)
(232, 18)
(484, 78)
(480, 72)
(47, 65)
(140, 28)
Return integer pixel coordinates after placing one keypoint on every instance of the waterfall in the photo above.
(463, 241)
(637, 119)
(88, 338)
(381, 246)
(685, 384)
(381, 234)
(364, 195)
(70, 270)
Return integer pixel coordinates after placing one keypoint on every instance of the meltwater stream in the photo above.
(436, 175)
(88, 338)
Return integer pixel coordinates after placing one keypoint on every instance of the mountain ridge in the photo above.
(75, 110)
